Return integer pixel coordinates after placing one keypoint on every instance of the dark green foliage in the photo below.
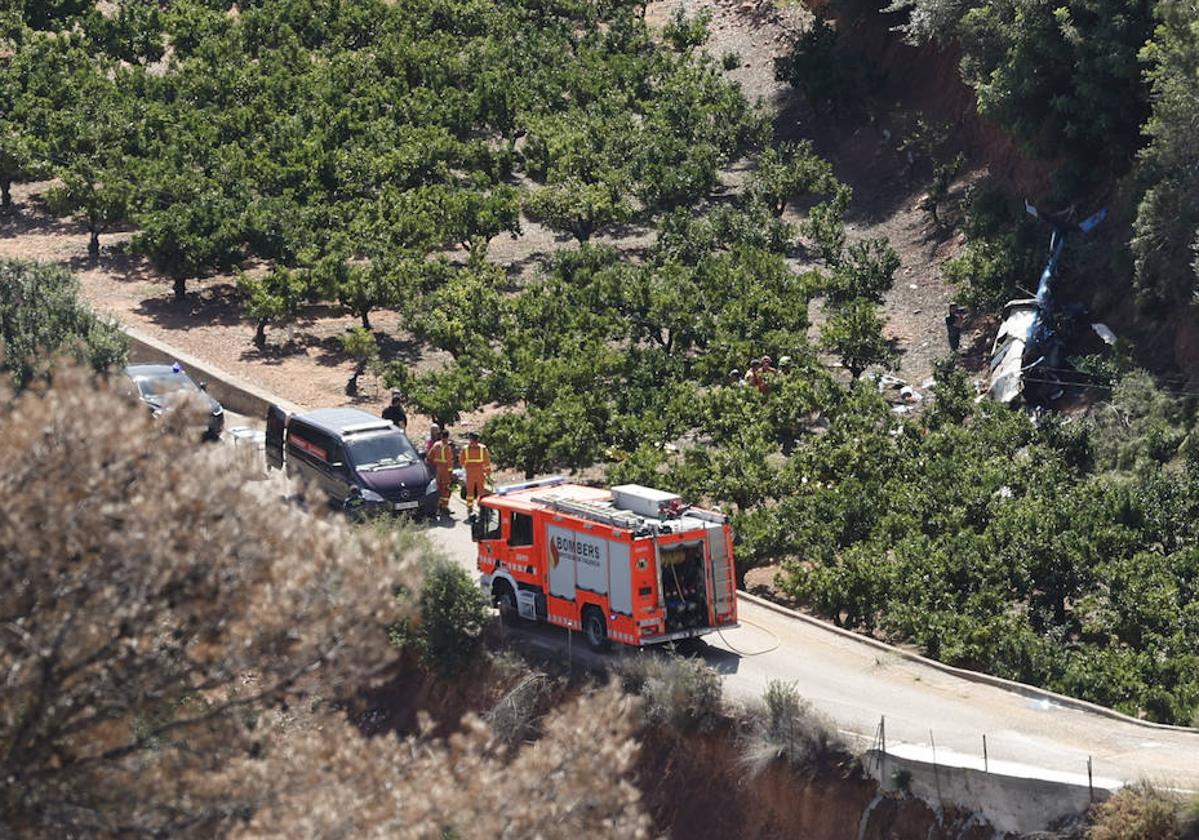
(1003, 253)
(792, 170)
(684, 32)
(1166, 230)
(41, 315)
(1065, 78)
(865, 270)
(1004, 546)
(854, 333)
(817, 68)
(453, 610)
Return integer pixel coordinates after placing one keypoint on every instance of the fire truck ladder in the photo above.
(596, 513)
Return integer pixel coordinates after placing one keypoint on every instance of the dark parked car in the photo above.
(162, 387)
(363, 463)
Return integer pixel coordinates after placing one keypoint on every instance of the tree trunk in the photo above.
(93, 245)
(260, 334)
(366, 319)
(180, 289)
(352, 387)
(5, 193)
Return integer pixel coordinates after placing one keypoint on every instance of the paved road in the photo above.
(855, 685)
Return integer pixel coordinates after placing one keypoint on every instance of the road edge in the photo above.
(1023, 689)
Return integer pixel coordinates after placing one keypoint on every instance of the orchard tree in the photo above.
(364, 286)
(463, 313)
(92, 138)
(578, 208)
(865, 270)
(190, 225)
(462, 215)
(564, 432)
(789, 171)
(101, 196)
(279, 295)
(825, 226)
(362, 345)
(854, 333)
(18, 159)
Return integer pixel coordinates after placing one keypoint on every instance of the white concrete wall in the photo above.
(1009, 803)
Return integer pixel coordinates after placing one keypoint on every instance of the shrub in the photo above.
(1002, 252)
(681, 692)
(731, 60)
(684, 33)
(453, 609)
(155, 626)
(785, 726)
(41, 315)
(1137, 812)
(514, 719)
(814, 67)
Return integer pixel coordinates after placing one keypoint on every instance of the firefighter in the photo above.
(434, 437)
(395, 412)
(441, 456)
(753, 376)
(476, 460)
(766, 372)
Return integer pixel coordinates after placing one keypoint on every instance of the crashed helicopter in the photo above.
(1028, 354)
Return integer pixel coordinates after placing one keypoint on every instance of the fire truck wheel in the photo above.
(595, 629)
(505, 601)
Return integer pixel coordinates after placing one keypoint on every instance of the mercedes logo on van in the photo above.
(404, 494)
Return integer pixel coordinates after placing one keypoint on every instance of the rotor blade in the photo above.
(1086, 224)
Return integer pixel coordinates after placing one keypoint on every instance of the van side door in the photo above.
(276, 429)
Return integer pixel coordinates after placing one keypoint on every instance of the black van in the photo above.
(349, 453)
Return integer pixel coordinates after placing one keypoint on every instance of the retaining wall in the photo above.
(1009, 803)
(231, 391)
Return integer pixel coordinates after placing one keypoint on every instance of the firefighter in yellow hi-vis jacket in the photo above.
(476, 461)
(441, 456)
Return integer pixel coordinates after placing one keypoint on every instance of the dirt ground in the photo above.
(305, 363)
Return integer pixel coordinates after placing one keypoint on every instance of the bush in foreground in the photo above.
(1142, 812)
(176, 643)
(453, 610)
(677, 691)
(785, 726)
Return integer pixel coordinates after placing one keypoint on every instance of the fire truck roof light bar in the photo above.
(549, 481)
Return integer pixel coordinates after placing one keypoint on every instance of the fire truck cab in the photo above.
(630, 564)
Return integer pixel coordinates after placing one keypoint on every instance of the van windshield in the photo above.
(379, 452)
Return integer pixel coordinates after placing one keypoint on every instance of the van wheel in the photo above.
(595, 629)
(505, 601)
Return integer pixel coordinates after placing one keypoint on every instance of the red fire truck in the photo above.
(630, 564)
